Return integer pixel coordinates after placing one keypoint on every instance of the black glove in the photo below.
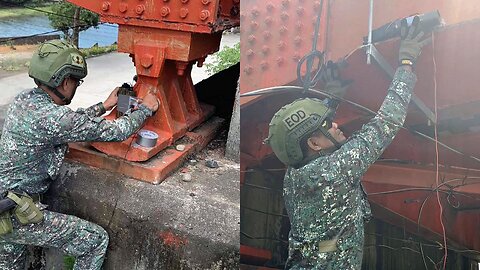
(333, 84)
(411, 44)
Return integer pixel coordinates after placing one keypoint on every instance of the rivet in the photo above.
(316, 5)
(264, 65)
(255, 12)
(251, 39)
(285, 3)
(267, 35)
(254, 25)
(281, 45)
(165, 0)
(282, 30)
(248, 70)
(296, 57)
(284, 16)
(268, 20)
(147, 61)
(206, 2)
(265, 50)
(183, 12)
(236, 1)
(204, 14)
(297, 40)
(299, 25)
(105, 6)
(300, 10)
(140, 9)
(122, 7)
(250, 53)
(184, 1)
(280, 60)
(270, 7)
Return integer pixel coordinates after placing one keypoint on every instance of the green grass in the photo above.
(20, 64)
(96, 50)
(22, 12)
(68, 262)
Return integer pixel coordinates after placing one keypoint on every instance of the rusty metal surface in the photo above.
(269, 58)
(449, 67)
(205, 16)
(165, 39)
(275, 35)
(156, 169)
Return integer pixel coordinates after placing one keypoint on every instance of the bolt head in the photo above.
(204, 14)
(183, 13)
(105, 6)
(165, 11)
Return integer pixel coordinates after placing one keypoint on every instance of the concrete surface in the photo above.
(174, 225)
(232, 150)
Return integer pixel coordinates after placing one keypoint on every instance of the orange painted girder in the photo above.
(204, 16)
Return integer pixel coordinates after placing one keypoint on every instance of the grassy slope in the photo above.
(22, 12)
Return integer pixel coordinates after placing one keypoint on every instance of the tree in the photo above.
(72, 19)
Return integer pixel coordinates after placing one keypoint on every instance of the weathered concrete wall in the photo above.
(174, 225)
(232, 150)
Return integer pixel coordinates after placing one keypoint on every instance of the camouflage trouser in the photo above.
(84, 240)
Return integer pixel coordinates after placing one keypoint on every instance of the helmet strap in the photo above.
(329, 136)
(60, 95)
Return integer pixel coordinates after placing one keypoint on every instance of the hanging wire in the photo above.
(436, 150)
(289, 88)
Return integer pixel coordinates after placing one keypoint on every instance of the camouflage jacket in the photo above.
(325, 200)
(36, 133)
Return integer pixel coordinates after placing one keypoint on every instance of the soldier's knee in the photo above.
(102, 236)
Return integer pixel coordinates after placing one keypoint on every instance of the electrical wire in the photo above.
(436, 150)
(289, 88)
(262, 238)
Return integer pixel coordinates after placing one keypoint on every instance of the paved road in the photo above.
(105, 73)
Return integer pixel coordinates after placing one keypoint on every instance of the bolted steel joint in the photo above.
(140, 9)
(204, 14)
(183, 12)
(165, 11)
(146, 61)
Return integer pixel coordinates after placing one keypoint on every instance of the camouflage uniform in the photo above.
(33, 146)
(325, 200)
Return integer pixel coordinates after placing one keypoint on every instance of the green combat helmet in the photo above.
(294, 122)
(56, 60)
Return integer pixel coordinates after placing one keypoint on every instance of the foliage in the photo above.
(13, 12)
(68, 262)
(62, 18)
(224, 59)
(96, 50)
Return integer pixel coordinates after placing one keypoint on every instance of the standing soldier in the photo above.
(33, 145)
(322, 190)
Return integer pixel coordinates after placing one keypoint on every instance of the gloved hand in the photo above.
(411, 43)
(333, 84)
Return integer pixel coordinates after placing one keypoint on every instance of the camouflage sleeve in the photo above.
(70, 126)
(364, 147)
(94, 110)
